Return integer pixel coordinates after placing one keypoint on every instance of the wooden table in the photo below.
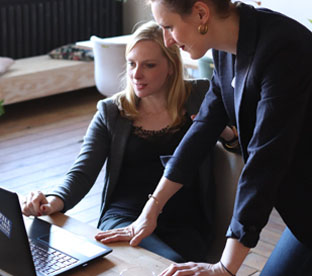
(122, 257)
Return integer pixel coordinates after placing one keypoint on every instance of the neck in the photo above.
(152, 105)
(153, 114)
(225, 31)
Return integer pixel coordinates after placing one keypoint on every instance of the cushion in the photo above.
(5, 63)
(72, 52)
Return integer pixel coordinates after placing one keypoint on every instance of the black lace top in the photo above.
(142, 170)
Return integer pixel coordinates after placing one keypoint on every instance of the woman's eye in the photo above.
(131, 64)
(150, 65)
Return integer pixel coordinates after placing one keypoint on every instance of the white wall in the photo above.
(135, 11)
(301, 10)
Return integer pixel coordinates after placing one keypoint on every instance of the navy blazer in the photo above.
(270, 101)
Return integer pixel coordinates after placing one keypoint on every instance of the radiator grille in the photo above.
(34, 27)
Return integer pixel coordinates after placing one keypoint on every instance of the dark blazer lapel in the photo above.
(228, 98)
(119, 141)
(245, 53)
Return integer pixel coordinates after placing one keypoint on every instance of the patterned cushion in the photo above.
(72, 52)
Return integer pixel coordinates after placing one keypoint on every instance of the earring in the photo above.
(203, 29)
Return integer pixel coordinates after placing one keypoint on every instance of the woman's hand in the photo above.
(147, 221)
(229, 133)
(195, 269)
(136, 231)
(37, 204)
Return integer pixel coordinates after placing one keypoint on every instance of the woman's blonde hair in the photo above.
(178, 91)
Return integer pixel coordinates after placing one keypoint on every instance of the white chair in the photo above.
(109, 63)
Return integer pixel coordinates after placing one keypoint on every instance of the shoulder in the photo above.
(107, 107)
(108, 112)
(276, 32)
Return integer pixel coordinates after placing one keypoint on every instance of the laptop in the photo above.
(33, 247)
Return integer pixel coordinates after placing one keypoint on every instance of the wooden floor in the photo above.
(40, 139)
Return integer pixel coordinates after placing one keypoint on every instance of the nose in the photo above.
(168, 39)
(137, 72)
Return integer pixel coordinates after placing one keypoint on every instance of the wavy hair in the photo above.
(178, 90)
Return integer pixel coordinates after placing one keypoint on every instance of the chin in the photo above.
(195, 55)
(141, 94)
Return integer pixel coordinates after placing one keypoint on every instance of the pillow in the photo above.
(5, 63)
(72, 52)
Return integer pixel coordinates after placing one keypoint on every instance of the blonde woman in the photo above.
(131, 132)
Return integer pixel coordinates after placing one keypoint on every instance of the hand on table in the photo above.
(195, 269)
(142, 227)
(37, 204)
(134, 233)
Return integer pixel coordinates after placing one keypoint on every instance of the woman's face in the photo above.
(180, 31)
(148, 69)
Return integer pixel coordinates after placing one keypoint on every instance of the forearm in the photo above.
(233, 255)
(163, 192)
(147, 221)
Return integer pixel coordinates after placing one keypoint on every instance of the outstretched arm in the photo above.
(147, 221)
(231, 260)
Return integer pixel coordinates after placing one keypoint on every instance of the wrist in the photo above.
(225, 269)
(233, 256)
(152, 209)
(56, 203)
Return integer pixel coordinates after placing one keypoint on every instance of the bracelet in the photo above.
(232, 144)
(153, 197)
(226, 269)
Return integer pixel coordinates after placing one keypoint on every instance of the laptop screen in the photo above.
(23, 244)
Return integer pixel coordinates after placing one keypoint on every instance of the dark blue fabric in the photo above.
(289, 258)
(273, 114)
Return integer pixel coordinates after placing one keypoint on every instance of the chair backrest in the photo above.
(227, 168)
(109, 64)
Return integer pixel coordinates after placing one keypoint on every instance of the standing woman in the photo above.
(262, 82)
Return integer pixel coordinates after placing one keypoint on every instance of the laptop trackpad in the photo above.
(65, 242)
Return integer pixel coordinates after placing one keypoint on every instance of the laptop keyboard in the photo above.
(48, 260)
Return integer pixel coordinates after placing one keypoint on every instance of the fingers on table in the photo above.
(114, 235)
(31, 205)
(184, 269)
(137, 238)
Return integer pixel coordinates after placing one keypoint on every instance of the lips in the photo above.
(140, 85)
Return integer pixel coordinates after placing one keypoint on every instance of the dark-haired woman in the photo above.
(262, 83)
